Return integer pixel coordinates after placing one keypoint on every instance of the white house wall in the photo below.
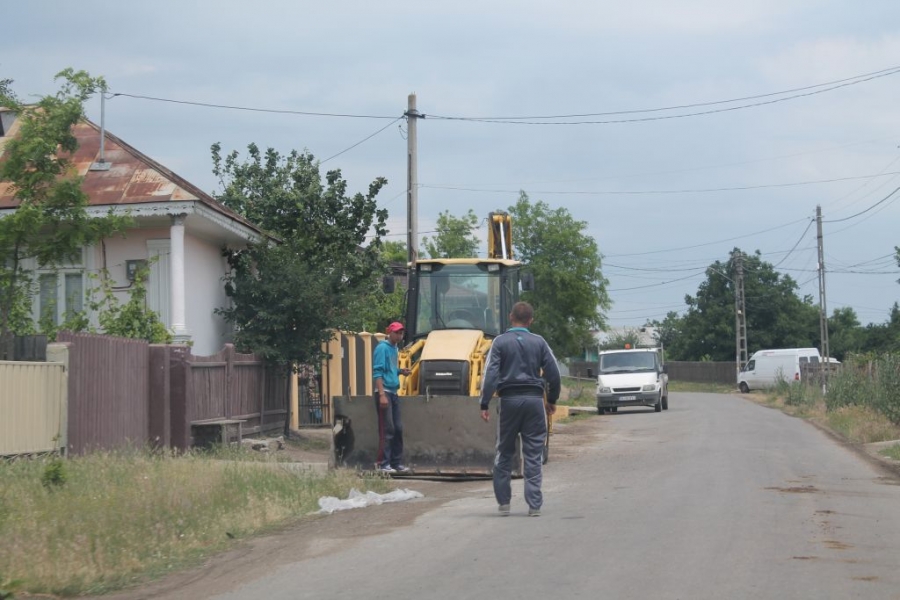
(204, 269)
(205, 290)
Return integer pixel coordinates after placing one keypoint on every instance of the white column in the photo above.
(177, 287)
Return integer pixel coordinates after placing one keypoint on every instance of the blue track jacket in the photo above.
(384, 365)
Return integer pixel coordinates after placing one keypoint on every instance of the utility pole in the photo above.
(823, 309)
(740, 313)
(412, 185)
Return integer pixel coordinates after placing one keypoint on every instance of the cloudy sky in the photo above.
(699, 125)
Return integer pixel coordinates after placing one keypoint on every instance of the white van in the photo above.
(766, 367)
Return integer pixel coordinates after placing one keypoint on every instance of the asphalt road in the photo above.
(715, 498)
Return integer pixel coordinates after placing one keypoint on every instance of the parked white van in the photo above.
(766, 367)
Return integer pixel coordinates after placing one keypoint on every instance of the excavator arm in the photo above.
(500, 235)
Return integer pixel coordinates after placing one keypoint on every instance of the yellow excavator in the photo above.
(454, 309)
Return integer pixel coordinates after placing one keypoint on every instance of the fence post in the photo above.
(229, 384)
(180, 396)
(160, 404)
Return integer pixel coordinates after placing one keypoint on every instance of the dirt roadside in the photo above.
(320, 535)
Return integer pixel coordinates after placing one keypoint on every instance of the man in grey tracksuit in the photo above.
(517, 365)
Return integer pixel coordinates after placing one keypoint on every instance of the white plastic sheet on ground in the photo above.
(357, 499)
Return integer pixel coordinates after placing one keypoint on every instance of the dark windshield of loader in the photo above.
(627, 362)
(459, 297)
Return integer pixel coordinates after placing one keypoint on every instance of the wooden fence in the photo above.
(689, 371)
(128, 393)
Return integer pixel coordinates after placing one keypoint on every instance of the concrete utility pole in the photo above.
(412, 183)
(740, 314)
(823, 309)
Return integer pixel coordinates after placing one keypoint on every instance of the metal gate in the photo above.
(313, 409)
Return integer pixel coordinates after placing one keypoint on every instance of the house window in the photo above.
(61, 295)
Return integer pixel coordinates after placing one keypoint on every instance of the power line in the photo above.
(252, 109)
(710, 243)
(663, 192)
(802, 235)
(834, 86)
(808, 91)
(361, 141)
(864, 211)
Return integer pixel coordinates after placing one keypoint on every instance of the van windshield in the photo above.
(627, 362)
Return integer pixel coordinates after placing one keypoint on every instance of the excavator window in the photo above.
(459, 297)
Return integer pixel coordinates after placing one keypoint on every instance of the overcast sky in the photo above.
(663, 192)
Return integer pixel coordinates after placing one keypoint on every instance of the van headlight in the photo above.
(604, 390)
(649, 387)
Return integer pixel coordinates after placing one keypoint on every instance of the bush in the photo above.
(54, 474)
(794, 393)
(886, 375)
(847, 387)
(868, 381)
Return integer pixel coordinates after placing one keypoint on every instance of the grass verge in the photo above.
(855, 423)
(96, 523)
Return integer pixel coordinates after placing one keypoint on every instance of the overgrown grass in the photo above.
(861, 403)
(91, 524)
(578, 392)
(709, 388)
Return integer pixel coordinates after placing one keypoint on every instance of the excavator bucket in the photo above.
(443, 436)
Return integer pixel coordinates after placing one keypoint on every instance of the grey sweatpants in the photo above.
(525, 416)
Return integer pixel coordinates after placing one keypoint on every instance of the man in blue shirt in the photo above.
(517, 365)
(386, 376)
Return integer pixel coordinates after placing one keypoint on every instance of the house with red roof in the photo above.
(178, 230)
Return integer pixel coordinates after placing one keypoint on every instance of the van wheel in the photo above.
(658, 406)
(601, 410)
(744, 387)
(665, 403)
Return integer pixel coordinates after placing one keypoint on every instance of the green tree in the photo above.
(668, 330)
(883, 338)
(776, 317)
(288, 295)
(50, 225)
(394, 252)
(845, 334)
(454, 237)
(570, 290)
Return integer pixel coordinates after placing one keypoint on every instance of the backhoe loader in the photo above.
(454, 308)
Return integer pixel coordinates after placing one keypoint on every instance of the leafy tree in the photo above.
(394, 252)
(884, 337)
(380, 307)
(668, 331)
(845, 334)
(50, 225)
(289, 294)
(570, 290)
(776, 317)
(454, 237)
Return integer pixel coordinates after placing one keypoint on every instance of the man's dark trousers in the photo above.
(390, 431)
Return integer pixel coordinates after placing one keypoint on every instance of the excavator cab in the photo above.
(461, 294)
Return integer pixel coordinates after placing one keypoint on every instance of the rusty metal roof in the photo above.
(133, 178)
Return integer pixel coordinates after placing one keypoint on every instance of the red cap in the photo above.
(395, 326)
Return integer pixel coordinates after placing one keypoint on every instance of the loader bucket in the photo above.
(443, 436)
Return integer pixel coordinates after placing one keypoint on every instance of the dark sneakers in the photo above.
(534, 512)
